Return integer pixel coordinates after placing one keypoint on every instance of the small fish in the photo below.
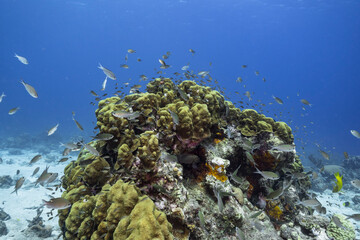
(43, 177)
(86, 162)
(284, 148)
(35, 159)
(2, 96)
(278, 100)
(124, 66)
(125, 114)
(186, 67)
(244, 66)
(219, 199)
(182, 94)
(139, 59)
(17, 172)
(192, 51)
(107, 72)
(203, 73)
(103, 136)
(94, 93)
(57, 203)
(13, 110)
(52, 178)
(324, 154)
(239, 79)
(337, 222)
(256, 214)
(202, 219)
(18, 184)
(174, 116)
(103, 86)
(314, 175)
(250, 158)
(53, 130)
(70, 145)
(239, 234)
(355, 133)
(257, 73)
(131, 51)
(63, 160)
(355, 216)
(235, 177)
(77, 123)
(30, 89)
(299, 175)
(309, 203)
(35, 171)
(306, 102)
(66, 151)
(22, 59)
(267, 174)
(91, 149)
(346, 204)
(275, 194)
(247, 94)
(356, 183)
(346, 155)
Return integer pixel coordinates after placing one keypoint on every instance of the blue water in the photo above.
(306, 47)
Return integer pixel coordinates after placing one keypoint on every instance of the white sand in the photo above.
(28, 195)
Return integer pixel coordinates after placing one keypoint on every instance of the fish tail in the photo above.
(16, 55)
(100, 66)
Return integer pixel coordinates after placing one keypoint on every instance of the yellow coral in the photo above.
(217, 172)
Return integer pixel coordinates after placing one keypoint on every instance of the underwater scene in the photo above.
(180, 119)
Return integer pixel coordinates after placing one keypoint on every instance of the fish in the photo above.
(284, 148)
(66, 151)
(23, 60)
(324, 154)
(201, 219)
(35, 171)
(239, 234)
(192, 51)
(124, 66)
(30, 89)
(174, 116)
(247, 94)
(63, 159)
(70, 145)
(314, 175)
(219, 199)
(299, 175)
(355, 183)
(139, 59)
(131, 51)
(275, 194)
(250, 158)
(355, 216)
(244, 66)
(52, 178)
(91, 149)
(104, 84)
(267, 174)
(338, 182)
(53, 129)
(13, 110)
(43, 177)
(77, 123)
(337, 222)
(18, 184)
(57, 203)
(125, 114)
(309, 203)
(235, 177)
(103, 136)
(239, 79)
(107, 72)
(255, 214)
(2, 96)
(278, 100)
(346, 155)
(203, 73)
(94, 93)
(17, 172)
(35, 159)
(186, 67)
(306, 102)
(182, 94)
(355, 133)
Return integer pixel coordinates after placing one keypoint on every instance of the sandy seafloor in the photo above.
(30, 196)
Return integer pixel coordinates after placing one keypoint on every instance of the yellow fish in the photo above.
(338, 182)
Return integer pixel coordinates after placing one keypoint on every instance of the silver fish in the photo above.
(13, 110)
(324, 154)
(78, 124)
(309, 203)
(125, 114)
(2, 96)
(91, 149)
(18, 184)
(104, 84)
(250, 158)
(306, 102)
(275, 194)
(278, 100)
(103, 136)
(35, 159)
(107, 72)
(356, 183)
(355, 133)
(43, 177)
(174, 116)
(284, 148)
(53, 130)
(57, 203)
(52, 178)
(30, 89)
(355, 216)
(35, 171)
(23, 60)
(267, 174)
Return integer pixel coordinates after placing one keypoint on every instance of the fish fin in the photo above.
(16, 55)
(100, 66)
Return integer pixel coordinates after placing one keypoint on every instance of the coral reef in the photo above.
(180, 165)
(344, 232)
